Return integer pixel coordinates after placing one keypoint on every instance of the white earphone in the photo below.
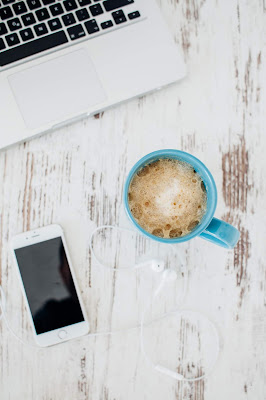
(168, 275)
(155, 264)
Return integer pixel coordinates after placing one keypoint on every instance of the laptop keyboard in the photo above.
(30, 27)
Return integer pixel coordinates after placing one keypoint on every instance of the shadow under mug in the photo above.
(209, 228)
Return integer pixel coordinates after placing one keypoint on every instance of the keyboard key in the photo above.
(6, 13)
(46, 2)
(56, 9)
(134, 15)
(26, 34)
(107, 24)
(28, 19)
(96, 9)
(55, 24)
(12, 39)
(111, 5)
(33, 4)
(84, 2)
(19, 8)
(5, 2)
(120, 20)
(82, 14)
(117, 14)
(3, 29)
(14, 24)
(119, 17)
(32, 48)
(2, 44)
(40, 29)
(76, 32)
(70, 5)
(68, 19)
(92, 26)
(42, 14)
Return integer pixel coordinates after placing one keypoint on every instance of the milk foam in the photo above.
(167, 198)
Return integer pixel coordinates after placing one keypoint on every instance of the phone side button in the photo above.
(62, 334)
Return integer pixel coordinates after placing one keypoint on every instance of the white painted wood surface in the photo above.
(75, 177)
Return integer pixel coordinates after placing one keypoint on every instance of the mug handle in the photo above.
(221, 233)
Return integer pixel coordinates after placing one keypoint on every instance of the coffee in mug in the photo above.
(167, 198)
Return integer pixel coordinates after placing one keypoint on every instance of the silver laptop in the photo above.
(61, 60)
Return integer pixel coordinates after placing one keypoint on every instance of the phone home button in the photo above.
(62, 334)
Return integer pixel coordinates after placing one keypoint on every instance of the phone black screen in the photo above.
(49, 285)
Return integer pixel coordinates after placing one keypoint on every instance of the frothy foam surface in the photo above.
(167, 198)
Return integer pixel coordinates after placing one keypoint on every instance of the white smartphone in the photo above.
(49, 285)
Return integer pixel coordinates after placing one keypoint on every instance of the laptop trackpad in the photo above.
(58, 89)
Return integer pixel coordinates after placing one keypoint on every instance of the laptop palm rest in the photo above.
(57, 89)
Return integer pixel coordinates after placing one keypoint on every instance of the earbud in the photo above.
(169, 275)
(159, 266)
(155, 264)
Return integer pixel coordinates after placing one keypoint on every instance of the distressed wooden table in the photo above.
(75, 177)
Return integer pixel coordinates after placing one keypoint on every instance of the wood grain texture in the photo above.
(75, 177)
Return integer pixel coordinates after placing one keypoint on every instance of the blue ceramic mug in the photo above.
(209, 228)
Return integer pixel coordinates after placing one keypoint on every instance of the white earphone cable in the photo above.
(165, 274)
(165, 370)
(159, 368)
